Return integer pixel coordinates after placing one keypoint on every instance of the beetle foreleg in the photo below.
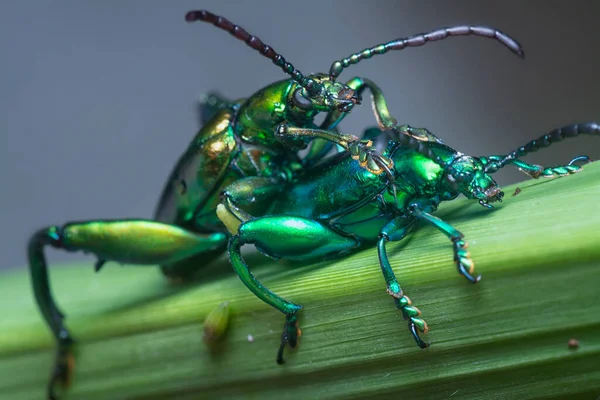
(361, 150)
(319, 148)
(392, 232)
(462, 258)
(384, 118)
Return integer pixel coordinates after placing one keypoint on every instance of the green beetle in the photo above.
(241, 146)
(309, 220)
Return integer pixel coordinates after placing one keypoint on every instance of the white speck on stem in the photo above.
(250, 338)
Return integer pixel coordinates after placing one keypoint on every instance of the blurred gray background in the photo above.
(98, 99)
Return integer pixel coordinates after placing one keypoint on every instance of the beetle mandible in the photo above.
(243, 146)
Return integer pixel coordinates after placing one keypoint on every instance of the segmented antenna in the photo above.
(252, 41)
(588, 128)
(419, 40)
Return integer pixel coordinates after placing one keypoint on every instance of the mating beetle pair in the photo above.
(241, 181)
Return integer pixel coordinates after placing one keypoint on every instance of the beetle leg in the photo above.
(245, 197)
(125, 241)
(538, 171)
(462, 258)
(254, 192)
(385, 121)
(288, 237)
(361, 150)
(384, 118)
(393, 232)
(319, 148)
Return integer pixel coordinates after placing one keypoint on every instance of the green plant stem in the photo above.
(140, 337)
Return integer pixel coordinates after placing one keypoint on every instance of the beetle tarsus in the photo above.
(412, 314)
(415, 332)
(578, 159)
(464, 263)
(290, 335)
(64, 364)
(486, 204)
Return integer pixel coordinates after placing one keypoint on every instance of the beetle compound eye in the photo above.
(300, 101)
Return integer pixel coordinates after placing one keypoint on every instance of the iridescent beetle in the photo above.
(310, 220)
(244, 147)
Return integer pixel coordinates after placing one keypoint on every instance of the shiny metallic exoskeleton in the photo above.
(242, 181)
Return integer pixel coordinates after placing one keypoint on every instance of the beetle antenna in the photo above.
(419, 40)
(588, 128)
(240, 33)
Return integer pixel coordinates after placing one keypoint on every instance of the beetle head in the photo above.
(466, 175)
(331, 96)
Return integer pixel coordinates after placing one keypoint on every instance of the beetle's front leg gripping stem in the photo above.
(360, 150)
(462, 258)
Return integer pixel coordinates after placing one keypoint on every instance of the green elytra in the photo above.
(244, 159)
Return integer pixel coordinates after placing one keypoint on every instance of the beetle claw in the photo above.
(63, 370)
(415, 326)
(290, 336)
